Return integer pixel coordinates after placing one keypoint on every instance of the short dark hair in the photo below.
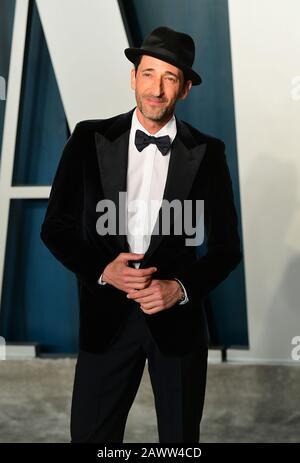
(138, 60)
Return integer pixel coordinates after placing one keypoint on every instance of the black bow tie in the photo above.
(142, 140)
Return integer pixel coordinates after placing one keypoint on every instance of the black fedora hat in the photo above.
(171, 46)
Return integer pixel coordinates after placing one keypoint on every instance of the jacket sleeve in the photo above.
(223, 251)
(61, 230)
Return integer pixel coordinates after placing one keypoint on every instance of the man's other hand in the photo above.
(121, 276)
(159, 295)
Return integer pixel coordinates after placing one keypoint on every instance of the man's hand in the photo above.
(159, 295)
(118, 274)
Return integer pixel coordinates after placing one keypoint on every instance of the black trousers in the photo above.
(106, 384)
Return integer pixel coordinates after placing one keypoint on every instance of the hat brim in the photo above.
(133, 53)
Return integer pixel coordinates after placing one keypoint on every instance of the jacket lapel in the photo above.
(112, 157)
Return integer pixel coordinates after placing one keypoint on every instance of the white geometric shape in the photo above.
(2, 348)
(21, 351)
(30, 192)
(86, 42)
(214, 356)
(265, 44)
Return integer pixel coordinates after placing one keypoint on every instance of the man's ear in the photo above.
(186, 90)
(132, 76)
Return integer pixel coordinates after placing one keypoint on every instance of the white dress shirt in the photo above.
(146, 179)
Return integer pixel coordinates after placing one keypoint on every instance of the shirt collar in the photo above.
(169, 129)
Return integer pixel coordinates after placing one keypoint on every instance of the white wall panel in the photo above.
(86, 39)
(265, 46)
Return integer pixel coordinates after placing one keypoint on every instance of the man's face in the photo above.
(158, 85)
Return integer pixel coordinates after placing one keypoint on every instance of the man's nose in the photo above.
(157, 88)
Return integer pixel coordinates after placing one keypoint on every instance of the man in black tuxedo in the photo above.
(141, 294)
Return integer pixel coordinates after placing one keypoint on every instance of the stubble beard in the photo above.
(155, 114)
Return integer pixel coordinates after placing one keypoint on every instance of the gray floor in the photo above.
(244, 403)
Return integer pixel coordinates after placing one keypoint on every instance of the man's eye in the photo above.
(171, 79)
(147, 74)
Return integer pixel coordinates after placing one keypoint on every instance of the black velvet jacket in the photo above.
(93, 166)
